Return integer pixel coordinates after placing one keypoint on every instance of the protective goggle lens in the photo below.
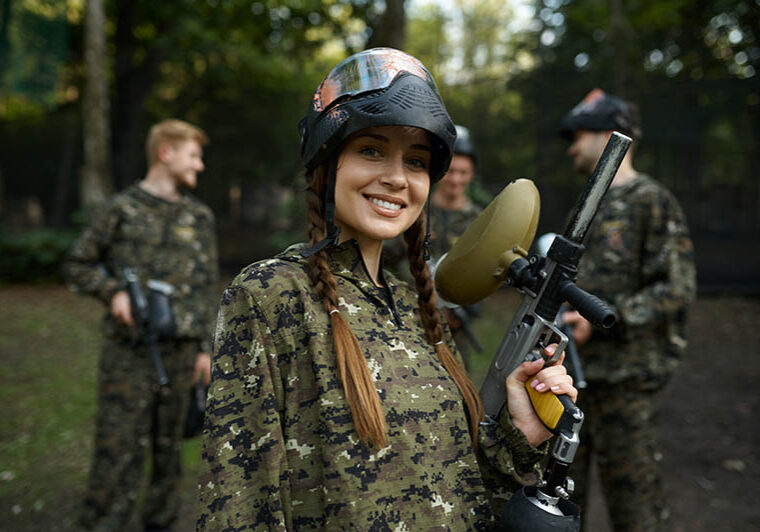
(367, 71)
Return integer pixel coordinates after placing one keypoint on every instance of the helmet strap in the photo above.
(333, 231)
(426, 243)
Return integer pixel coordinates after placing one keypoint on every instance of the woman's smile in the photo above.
(385, 205)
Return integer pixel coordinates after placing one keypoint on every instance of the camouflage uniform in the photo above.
(640, 259)
(280, 449)
(174, 242)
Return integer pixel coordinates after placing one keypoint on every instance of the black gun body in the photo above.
(141, 314)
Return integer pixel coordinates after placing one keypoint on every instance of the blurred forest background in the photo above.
(81, 82)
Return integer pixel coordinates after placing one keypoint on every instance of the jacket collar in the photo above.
(346, 261)
(146, 197)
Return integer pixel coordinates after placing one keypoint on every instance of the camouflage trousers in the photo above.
(135, 416)
(620, 428)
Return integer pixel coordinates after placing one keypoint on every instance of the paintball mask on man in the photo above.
(600, 111)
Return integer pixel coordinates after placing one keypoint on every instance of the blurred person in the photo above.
(452, 210)
(640, 259)
(337, 399)
(164, 234)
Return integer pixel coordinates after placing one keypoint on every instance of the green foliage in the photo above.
(36, 50)
(35, 254)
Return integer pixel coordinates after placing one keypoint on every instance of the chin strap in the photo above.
(333, 231)
(426, 243)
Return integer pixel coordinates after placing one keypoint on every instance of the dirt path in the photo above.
(710, 441)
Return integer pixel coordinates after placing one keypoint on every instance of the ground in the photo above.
(48, 353)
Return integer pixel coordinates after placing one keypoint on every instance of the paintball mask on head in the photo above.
(373, 88)
(600, 111)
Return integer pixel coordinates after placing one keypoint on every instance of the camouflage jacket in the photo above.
(174, 242)
(280, 450)
(640, 259)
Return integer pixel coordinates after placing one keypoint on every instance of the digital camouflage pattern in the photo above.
(640, 259)
(171, 242)
(280, 450)
(174, 242)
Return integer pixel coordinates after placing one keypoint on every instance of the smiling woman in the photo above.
(382, 183)
(335, 401)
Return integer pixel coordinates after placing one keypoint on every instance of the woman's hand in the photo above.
(553, 379)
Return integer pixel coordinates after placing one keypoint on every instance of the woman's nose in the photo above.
(394, 174)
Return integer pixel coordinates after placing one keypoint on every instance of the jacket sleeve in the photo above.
(667, 273)
(84, 268)
(507, 460)
(244, 470)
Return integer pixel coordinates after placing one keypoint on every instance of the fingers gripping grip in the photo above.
(549, 407)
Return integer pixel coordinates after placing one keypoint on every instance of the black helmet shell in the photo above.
(600, 111)
(360, 93)
(464, 144)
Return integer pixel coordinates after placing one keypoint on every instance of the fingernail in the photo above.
(534, 383)
(541, 387)
(551, 349)
(538, 362)
(555, 388)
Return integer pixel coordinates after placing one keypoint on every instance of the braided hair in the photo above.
(358, 386)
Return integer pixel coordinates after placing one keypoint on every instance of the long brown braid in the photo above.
(415, 238)
(361, 394)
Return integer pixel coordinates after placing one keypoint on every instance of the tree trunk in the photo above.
(96, 180)
(133, 82)
(66, 172)
(5, 22)
(389, 28)
(617, 31)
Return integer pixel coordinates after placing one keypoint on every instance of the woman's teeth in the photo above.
(385, 204)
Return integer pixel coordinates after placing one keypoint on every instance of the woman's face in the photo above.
(382, 182)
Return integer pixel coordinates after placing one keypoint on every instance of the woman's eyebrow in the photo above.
(383, 138)
(376, 136)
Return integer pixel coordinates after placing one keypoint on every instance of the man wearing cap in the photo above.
(640, 260)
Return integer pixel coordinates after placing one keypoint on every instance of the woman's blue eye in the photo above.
(369, 151)
(418, 163)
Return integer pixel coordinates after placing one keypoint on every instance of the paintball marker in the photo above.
(153, 316)
(497, 242)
